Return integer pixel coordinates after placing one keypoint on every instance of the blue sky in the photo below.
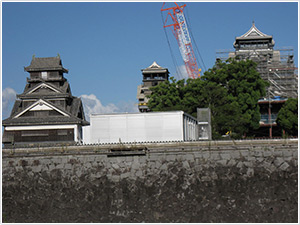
(105, 45)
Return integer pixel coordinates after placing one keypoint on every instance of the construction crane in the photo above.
(180, 31)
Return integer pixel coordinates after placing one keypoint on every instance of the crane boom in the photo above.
(181, 33)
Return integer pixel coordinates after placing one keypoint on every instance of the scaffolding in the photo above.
(274, 65)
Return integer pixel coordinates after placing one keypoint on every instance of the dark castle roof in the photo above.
(45, 64)
(254, 34)
(71, 111)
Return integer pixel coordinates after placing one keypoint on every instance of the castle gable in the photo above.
(43, 88)
(42, 105)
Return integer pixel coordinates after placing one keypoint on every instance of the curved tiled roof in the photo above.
(254, 33)
(45, 64)
(154, 68)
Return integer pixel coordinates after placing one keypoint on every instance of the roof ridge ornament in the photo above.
(254, 32)
(155, 65)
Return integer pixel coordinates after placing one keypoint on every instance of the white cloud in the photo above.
(130, 107)
(8, 99)
(92, 105)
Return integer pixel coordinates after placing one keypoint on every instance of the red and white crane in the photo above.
(181, 33)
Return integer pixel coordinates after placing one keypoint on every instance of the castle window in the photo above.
(44, 75)
(62, 132)
(30, 133)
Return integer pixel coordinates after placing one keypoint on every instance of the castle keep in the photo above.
(46, 111)
(276, 66)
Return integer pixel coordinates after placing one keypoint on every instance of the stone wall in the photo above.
(247, 181)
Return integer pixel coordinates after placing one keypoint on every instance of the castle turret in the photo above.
(152, 76)
(46, 111)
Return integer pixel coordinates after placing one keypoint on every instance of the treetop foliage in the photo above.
(287, 117)
(231, 89)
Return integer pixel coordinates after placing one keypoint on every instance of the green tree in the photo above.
(231, 90)
(167, 96)
(287, 117)
(244, 87)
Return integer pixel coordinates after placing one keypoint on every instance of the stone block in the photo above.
(154, 157)
(267, 153)
(112, 159)
(100, 158)
(125, 175)
(250, 172)
(271, 168)
(251, 158)
(165, 167)
(68, 166)
(115, 166)
(170, 157)
(78, 173)
(225, 156)
(94, 164)
(214, 176)
(186, 165)
(248, 164)
(222, 162)
(235, 154)
(259, 159)
(37, 169)
(51, 167)
(114, 178)
(295, 154)
(59, 166)
(142, 159)
(284, 166)
(128, 159)
(295, 162)
(256, 153)
(64, 160)
(136, 158)
(278, 161)
(157, 164)
(215, 156)
(190, 157)
(231, 162)
(287, 153)
(135, 165)
(278, 153)
(205, 178)
(198, 168)
(197, 155)
(265, 164)
(139, 173)
(120, 159)
(206, 155)
(240, 165)
(245, 153)
(95, 175)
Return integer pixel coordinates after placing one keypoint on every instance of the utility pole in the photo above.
(270, 106)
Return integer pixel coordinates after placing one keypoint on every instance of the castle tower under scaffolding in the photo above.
(275, 65)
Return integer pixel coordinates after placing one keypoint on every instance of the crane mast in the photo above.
(181, 33)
